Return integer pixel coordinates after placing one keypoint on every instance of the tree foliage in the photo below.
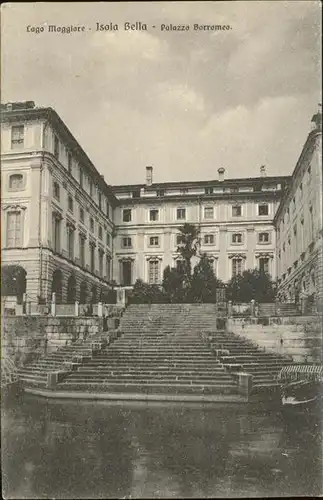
(204, 283)
(252, 284)
(13, 280)
(188, 248)
(143, 293)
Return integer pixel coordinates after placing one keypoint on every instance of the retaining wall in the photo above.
(26, 338)
(299, 337)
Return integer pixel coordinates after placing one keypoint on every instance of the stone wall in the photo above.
(26, 338)
(299, 337)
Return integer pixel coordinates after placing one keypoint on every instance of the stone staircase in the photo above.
(277, 309)
(160, 349)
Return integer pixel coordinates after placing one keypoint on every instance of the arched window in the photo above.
(71, 289)
(57, 285)
(83, 292)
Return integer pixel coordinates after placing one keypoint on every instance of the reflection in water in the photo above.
(119, 450)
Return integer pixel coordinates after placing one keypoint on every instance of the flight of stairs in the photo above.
(171, 349)
(279, 309)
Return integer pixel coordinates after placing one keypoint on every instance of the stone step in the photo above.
(151, 378)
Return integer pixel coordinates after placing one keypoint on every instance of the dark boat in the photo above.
(301, 389)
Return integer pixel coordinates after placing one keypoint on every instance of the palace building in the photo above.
(75, 235)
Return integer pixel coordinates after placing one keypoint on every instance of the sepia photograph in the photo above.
(161, 250)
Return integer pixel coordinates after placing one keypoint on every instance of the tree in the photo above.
(252, 284)
(204, 283)
(188, 247)
(13, 280)
(173, 284)
(143, 293)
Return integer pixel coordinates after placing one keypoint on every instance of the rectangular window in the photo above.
(153, 215)
(81, 214)
(70, 242)
(69, 163)
(153, 241)
(263, 209)
(180, 265)
(208, 212)
(92, 225)
(179, 239)
(82, 249)
(126, 215)
(208, 190)
(70, 204)
(81, 177)
(153, 272)
(108, 267)
(56, 233)
(184, 191)
(126, 242)
(236, 211)
(92, 258)
(108, 240)
(14, 237)
(264, 264)
(237, 238)
(263, 238)
(100, 233)
(100, 200)
(101, 253)
(17, 136)
(209, 239)
(107, 209)
(237, 267)
(16, 182)
(56, 190)
(56, 147)
(91, 187)
(136, 193)
(160, 192)
(181, 214)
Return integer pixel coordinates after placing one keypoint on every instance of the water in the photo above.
(77, 450)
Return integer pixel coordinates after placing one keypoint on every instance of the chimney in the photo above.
(221, 171)
(149, 176)
(263, 171)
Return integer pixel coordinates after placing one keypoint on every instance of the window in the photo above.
(100, 200)
(263, 238)
(108, 267)
(126, 216)
(70, 242)
(208, 212)
(100, 233)
(184, 191)
(81, 177)
(16, 182)
(209, 239)
(180, 265)
(108, 239)
(17, 136)
(237, 238)
(263, 209)
(107, 209)
(14, 236)
(181, 214)
(160, 192)
(92, 225)
(69, 163)
(264, 264)
(70, 204)
(208, 190)
(126, 242)
(91, 187)
(237, 266)
(56, 147)
(236, 211)
(82, 249)
(153, 272)
(92, 257)
(81, 214)
(153, 241)
(153, 215)
(179, 239)
(56, 233)
(234, 189)
(136, 193)
(101, 253)
(56, 190)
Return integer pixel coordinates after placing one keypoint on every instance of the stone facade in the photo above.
(298, 223)
(74, 234)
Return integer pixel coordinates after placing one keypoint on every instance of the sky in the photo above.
(185, 102)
